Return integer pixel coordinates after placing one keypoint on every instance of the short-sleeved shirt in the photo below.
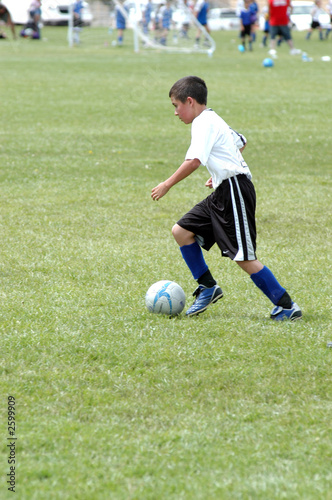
(166, 15)
(245, 17)
(147, 13)
(120, 18)
(217, 147)
(201, 9)
(279, 12)
(78, 7)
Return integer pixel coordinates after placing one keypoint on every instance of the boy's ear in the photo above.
(190, 100)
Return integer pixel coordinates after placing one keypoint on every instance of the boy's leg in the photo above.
(265, 280)
(208, 291)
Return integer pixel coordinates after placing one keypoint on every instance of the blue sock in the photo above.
(266, 282)
(194, 259)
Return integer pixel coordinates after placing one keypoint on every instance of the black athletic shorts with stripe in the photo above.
(226, 217)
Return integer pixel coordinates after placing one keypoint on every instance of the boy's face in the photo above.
(184, 110)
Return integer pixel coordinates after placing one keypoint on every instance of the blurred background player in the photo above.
(147, 16)
(32, 27)
(166, 14)
(120, 22)
(77, 21)
(316, 11)
(7, 19)
(201, 10)
(279, 25)
(186, 19)
(246, 24)
(253, 7)
(266, 28)
(35, 14)
(329, 7)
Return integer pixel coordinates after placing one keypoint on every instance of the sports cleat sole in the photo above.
(297, 315)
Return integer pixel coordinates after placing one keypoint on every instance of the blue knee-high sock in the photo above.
(266, 282)
(194, 259)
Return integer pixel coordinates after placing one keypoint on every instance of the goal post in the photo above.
(173, 30)
(169, 27)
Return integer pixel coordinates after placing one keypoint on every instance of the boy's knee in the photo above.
(182, 236)
(176, 230)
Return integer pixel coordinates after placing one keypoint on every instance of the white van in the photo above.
(19, 10)
(301, 16)
(54, 12)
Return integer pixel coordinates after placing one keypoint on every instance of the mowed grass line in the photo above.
(113, 402)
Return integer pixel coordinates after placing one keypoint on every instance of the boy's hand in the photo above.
(159, 191)
(209, 183)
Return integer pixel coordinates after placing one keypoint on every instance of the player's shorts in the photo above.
(226, 217)
(283, 31)
(315, 24)
(78, 23)
(246, 30)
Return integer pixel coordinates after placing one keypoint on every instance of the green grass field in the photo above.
(113, 402)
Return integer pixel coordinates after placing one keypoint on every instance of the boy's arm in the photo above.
(187, 168)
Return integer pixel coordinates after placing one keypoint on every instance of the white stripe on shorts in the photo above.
(249, 246)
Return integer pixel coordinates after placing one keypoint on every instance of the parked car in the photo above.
(301, 16)
(18, 10)
(223, 19)
(54, 12)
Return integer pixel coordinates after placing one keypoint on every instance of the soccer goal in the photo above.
(91, 30)
(154, 24)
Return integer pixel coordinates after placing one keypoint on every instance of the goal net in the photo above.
(170, 27)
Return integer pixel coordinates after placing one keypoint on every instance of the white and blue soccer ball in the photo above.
(165, 297)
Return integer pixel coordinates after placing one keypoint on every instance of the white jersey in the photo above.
(315, 13)
(217, 147)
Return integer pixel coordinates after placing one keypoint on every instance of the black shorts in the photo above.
(246, 30)
(315, 24)
(226, 217)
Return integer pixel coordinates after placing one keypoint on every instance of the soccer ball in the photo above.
(165, 297)
(268, 63)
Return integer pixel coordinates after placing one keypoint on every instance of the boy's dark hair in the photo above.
(190, 86)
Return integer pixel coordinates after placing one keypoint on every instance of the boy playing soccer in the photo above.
(225, 217)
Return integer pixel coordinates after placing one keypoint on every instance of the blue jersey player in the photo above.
(166, 15)
(120, 22)
(201, 12)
